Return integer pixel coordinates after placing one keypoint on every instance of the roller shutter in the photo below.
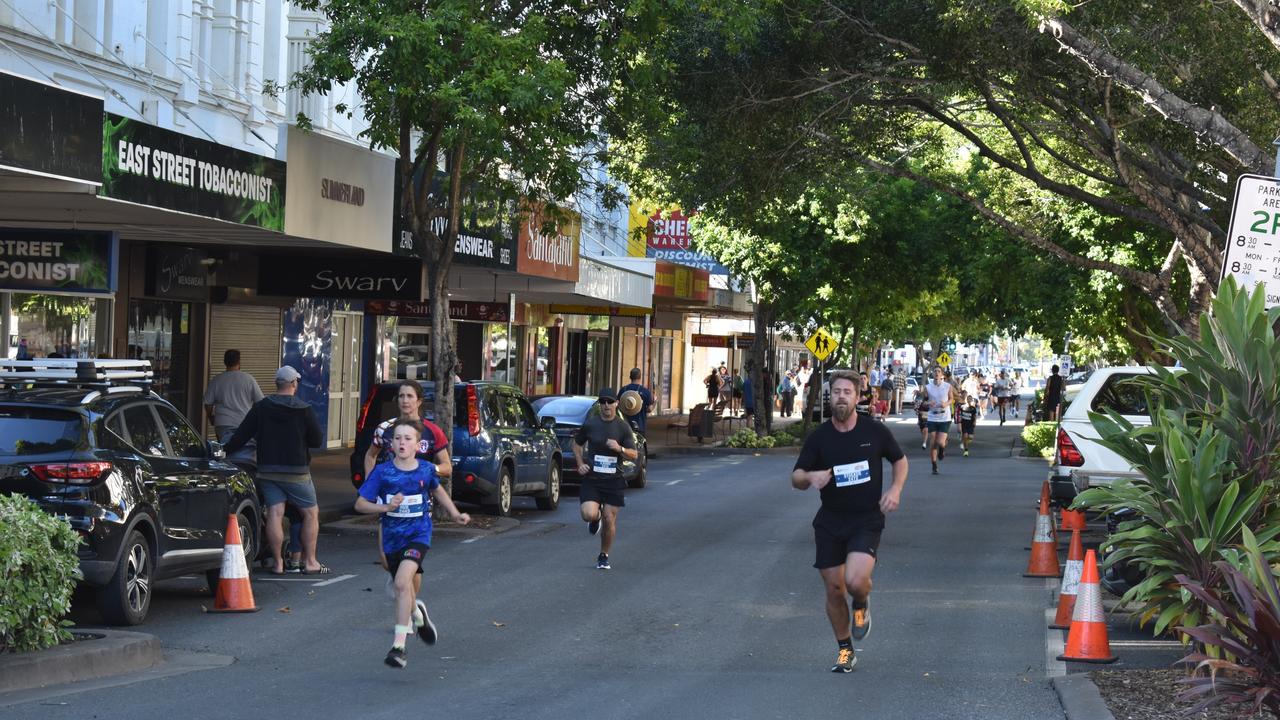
(255, 332)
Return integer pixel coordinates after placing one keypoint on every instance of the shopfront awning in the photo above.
(603, 282)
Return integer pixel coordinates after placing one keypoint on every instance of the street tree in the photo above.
(1145, 129)
(505, 99)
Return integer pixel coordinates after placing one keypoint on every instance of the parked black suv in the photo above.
(149, 497)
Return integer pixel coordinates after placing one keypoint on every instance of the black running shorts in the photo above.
(836, 535)
(413, 552)
(592, 492)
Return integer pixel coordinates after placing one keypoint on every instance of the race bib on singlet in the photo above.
(852, 473)
(604, 464)
(412, 506)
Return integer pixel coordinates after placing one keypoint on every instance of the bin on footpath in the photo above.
(701, 422)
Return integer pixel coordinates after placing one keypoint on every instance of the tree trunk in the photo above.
(443, 356)
(761, 394)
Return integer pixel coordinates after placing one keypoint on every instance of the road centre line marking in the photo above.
(470, 540)
(338, 579)
(676, 482)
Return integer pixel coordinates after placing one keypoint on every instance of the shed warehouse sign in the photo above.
(57, 261)
(1253, 242)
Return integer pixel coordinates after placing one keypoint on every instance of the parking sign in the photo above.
(1253, 241)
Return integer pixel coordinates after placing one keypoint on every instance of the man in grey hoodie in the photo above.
(284, 427)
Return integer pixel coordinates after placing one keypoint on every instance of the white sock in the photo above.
(402, 632)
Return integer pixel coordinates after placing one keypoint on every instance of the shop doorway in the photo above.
(344, 379)
(160, 331)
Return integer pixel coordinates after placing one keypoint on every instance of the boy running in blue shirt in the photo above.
(401, 491)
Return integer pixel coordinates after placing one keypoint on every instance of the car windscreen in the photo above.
(38, 431)
(566, 410)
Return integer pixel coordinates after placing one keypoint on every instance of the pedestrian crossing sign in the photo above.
(944, 360)
(821, 344)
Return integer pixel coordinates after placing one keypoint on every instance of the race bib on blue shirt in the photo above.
(412, 506)
(852, 473)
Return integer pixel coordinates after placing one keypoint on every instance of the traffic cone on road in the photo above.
(1087, 638)
(1070, 583)
(1072, 520)
(234, 592)
(1044, 549)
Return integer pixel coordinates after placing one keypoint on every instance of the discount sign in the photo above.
(1253, 244)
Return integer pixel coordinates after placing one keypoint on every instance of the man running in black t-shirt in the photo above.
(843, 460)
(599, 445)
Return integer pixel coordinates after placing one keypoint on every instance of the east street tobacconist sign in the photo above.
(148, 165)
(57, 261)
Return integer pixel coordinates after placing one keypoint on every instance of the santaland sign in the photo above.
(149, 165)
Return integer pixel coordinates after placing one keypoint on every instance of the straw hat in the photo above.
(630, 402)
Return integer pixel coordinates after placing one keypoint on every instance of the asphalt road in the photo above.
(712, 610)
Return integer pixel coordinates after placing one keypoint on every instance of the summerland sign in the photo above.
(338, 192)
(339, 277)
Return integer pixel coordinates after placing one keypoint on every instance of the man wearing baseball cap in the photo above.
(601, 442)
(285, 427)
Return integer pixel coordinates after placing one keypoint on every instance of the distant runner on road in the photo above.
(843, 460)
(941, 397)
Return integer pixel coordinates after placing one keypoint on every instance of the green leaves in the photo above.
(1207, 461)
(38, 571)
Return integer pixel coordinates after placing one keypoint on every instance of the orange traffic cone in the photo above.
(1072, 520)
(1087, 638)
(1070, 583)
(1044, 549)
(234, 592)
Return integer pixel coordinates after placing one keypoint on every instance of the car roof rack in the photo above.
(75, 372)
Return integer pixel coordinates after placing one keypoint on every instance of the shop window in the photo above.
(160, 331)
(44, 326)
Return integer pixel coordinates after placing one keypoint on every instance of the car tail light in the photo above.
(364, 411)
(469, 479)
(1068, 453)
(74, 473)
(358, 479)
(473, 412)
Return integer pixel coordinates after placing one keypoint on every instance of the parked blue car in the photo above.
(500, 449)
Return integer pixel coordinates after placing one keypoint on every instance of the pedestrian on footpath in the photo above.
(401, 491)
(843, 459)
(285, 428)
(229, 396)
(433, 446)
(787, 390)
(887, 390)
(899, 390)
(1052, 395)
(645, 396)
(601, 442)
(968, 417)
(713, 387)
(941, 398)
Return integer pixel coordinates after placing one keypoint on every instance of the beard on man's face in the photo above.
(842, 410)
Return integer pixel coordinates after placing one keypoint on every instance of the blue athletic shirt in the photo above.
(411, 523)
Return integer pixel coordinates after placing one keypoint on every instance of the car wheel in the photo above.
(126, 598)
(248, 543)
(550, 500)
(503, 506)
(640, 479)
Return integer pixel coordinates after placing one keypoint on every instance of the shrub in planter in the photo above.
(1039, 438)
(1207, 463)
(747, 438)
(1246, 628)
(38, 571)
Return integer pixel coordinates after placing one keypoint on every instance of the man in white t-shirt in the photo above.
(229, 396)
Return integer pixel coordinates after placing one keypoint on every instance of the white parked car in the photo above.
(1079, 461)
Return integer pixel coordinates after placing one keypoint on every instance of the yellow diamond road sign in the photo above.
(944, 360)
(821, 344)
